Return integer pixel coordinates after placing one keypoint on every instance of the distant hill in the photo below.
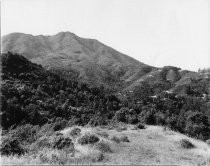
(90, 61)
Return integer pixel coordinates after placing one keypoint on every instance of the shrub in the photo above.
(186, 144)
(98, 157)
(24, 134)
(208, 141)
(119, 129)
(60, 142)
(75, 132)
(147, 115)
(46, 129)
(124, 139)
(103, 146)
(58, 133)
(88, 139)
(98, 120)
(121, 115)
(59, 125)
(41, 143)
(132, 118)
(140, 126)
(115, 139)
(103, 134)
(11, 146)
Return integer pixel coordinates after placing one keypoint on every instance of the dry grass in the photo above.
(162, 148)
(102, 134)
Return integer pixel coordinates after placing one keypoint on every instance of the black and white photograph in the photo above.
(105, 82)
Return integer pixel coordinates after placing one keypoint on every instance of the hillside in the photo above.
(38, 105)
(89, 59)
(152, 145)
(31, 94)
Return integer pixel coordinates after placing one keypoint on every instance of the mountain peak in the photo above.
(91, 59)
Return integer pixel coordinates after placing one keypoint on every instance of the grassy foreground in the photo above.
(122, 145)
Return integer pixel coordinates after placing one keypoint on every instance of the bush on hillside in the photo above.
(98, 120)
(88, 139)
(103, 146)
(41, 143)
(119, 129)
(208, 142)
(186, 144)
(60, 124)
(147, 115)
(120, 115)
(115, 139)
(11, 146)
(140, 126)
(60, 142)
(124, 138)
(25, 134)
(75, 132)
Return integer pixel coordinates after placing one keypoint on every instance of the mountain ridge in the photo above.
(91, 61)
(90, 58)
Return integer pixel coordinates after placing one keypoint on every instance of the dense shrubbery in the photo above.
(126, 115)
(33, 95)
(11, 146)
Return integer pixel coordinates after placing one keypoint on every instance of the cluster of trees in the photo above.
(35, 96)
(187, 113)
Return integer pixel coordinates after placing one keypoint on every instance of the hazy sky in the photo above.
(156, 32)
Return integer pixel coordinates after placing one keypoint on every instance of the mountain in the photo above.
(89, 59)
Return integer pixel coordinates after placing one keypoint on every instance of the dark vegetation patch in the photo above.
(124, 138)
(75, 132)
(11, 146)
(140, 126)
(103, 147)
(119, 139)
(208, 142)
(88, 139)
(60, 142)
(115, 139)
(186, 144)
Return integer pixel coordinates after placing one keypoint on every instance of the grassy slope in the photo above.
(156, 146)
(152, 145)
